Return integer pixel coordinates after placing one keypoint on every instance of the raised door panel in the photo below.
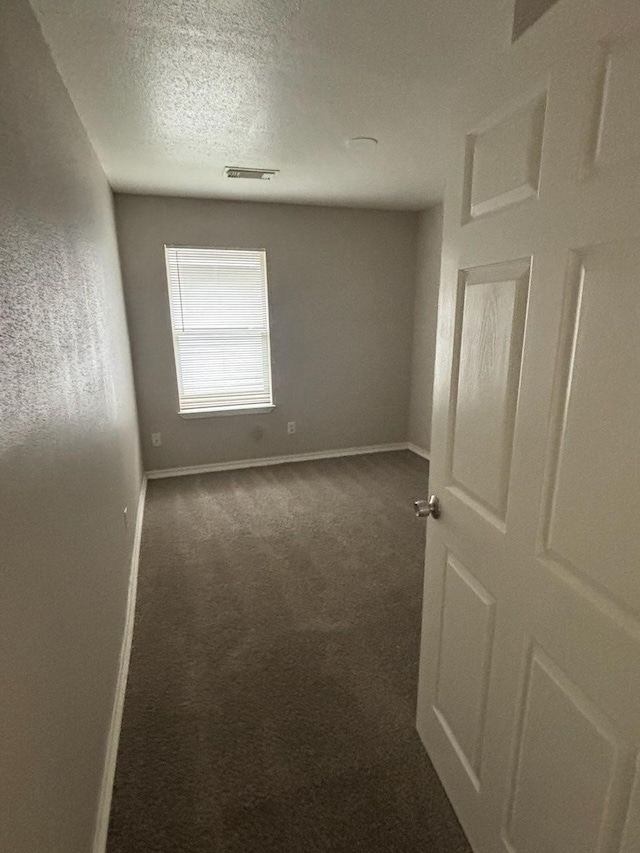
(503, 159)
(591, 524)
(617, 132)
(464, 663)
(492, 308)
(571, 775)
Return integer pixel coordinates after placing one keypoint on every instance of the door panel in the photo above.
(504, 158)
(491, 319)
(617, 128)
(569, 763)
(530, 655)
(464, 653)
(596, 440)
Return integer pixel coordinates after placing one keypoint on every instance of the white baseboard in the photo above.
(419, 451)
(273, 460)
(104, 803)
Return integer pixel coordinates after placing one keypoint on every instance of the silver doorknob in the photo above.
(425, 508)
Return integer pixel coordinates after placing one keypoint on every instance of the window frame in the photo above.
(232, 409)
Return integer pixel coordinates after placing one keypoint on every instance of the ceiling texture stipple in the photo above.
(172, 91)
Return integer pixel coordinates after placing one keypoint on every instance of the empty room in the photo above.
(319, 440)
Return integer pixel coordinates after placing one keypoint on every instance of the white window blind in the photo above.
(220, 320)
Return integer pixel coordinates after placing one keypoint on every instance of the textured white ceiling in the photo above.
(172, 91)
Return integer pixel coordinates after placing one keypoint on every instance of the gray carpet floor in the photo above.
(271, 697)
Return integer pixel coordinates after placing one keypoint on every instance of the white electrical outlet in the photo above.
(291, 427)
(156, 439)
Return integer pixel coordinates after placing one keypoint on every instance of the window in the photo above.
(220, 322)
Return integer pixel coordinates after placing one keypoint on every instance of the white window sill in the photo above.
(217, 413)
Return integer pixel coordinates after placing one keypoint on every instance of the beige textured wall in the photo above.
(341, 292)
(425, 323)
(69, 458)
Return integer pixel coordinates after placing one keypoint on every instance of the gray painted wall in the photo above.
(341, 292)
(69, 459)
(425, 319)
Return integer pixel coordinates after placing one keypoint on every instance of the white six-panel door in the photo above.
(529, 697)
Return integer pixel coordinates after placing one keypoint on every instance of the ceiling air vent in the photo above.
(254, 174)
